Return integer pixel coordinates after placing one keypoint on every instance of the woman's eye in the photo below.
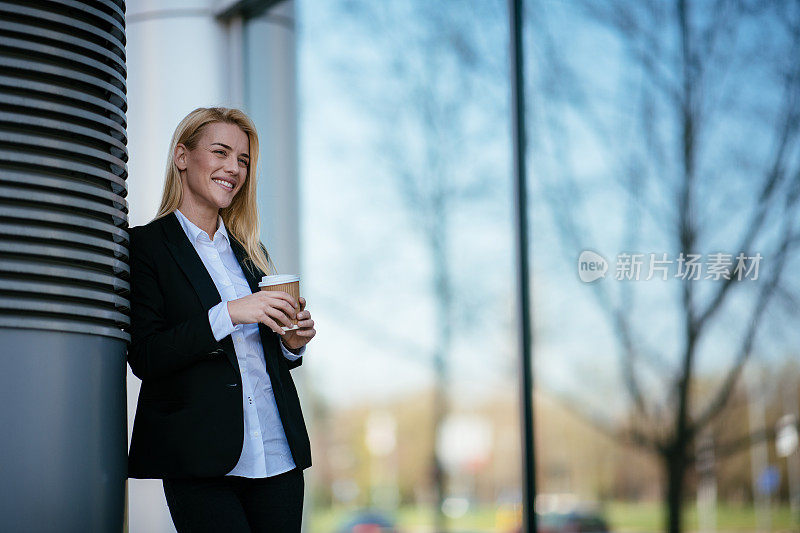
(243, 161)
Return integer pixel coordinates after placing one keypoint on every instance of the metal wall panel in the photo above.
(63, 166)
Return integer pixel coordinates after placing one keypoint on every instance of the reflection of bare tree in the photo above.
(711, 152)
(433, 82)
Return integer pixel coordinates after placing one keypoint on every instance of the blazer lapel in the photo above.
(253, 279)
(267, 335)
(186, 256)
(189, 261)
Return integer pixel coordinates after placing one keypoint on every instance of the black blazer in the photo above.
(190, 420)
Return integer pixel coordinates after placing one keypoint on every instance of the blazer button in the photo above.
(218, 351)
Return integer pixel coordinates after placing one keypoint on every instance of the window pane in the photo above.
(664, 156)
(405, 158)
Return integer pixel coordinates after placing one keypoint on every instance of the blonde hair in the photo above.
(241, 216)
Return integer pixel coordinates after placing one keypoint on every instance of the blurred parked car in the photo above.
(368, 521)
(571, 522)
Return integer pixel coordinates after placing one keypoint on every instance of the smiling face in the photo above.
(215, 170)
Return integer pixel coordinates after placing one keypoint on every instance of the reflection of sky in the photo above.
(594, 139)
(364, 259)
(366, 264)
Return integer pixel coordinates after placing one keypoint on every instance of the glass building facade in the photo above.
(408, 247)
(663, 164)
(662, 160)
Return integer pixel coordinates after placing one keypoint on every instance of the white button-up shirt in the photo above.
(265, 451)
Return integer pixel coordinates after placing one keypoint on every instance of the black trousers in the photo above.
(237, 504)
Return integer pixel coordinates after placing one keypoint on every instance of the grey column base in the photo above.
(63, 434)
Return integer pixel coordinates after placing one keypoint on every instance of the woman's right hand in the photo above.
(271, 308)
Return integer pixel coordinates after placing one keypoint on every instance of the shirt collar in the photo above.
(194, 233)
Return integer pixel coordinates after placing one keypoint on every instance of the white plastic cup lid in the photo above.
(278, 279)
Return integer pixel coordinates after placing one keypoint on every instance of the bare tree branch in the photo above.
(765, 294)
(770, 189)
(739, 444)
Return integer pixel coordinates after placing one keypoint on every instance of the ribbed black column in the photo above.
(63, 265)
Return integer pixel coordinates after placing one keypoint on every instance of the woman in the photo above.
(218, 417)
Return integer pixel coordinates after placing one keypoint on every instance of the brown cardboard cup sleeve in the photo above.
(283, 282)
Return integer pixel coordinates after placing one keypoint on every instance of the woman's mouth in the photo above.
(227, 185)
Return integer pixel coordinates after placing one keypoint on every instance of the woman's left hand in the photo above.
(297, 338)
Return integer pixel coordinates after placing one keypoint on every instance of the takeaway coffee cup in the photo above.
(283, 282)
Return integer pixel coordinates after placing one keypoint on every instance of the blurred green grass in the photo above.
(649, 517)
(623, 517)
(409, 519)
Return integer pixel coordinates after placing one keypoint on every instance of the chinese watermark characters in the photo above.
(688, 267)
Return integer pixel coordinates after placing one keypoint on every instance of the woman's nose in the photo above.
(232, 165)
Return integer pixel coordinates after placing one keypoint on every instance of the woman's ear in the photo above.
(179, 157)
